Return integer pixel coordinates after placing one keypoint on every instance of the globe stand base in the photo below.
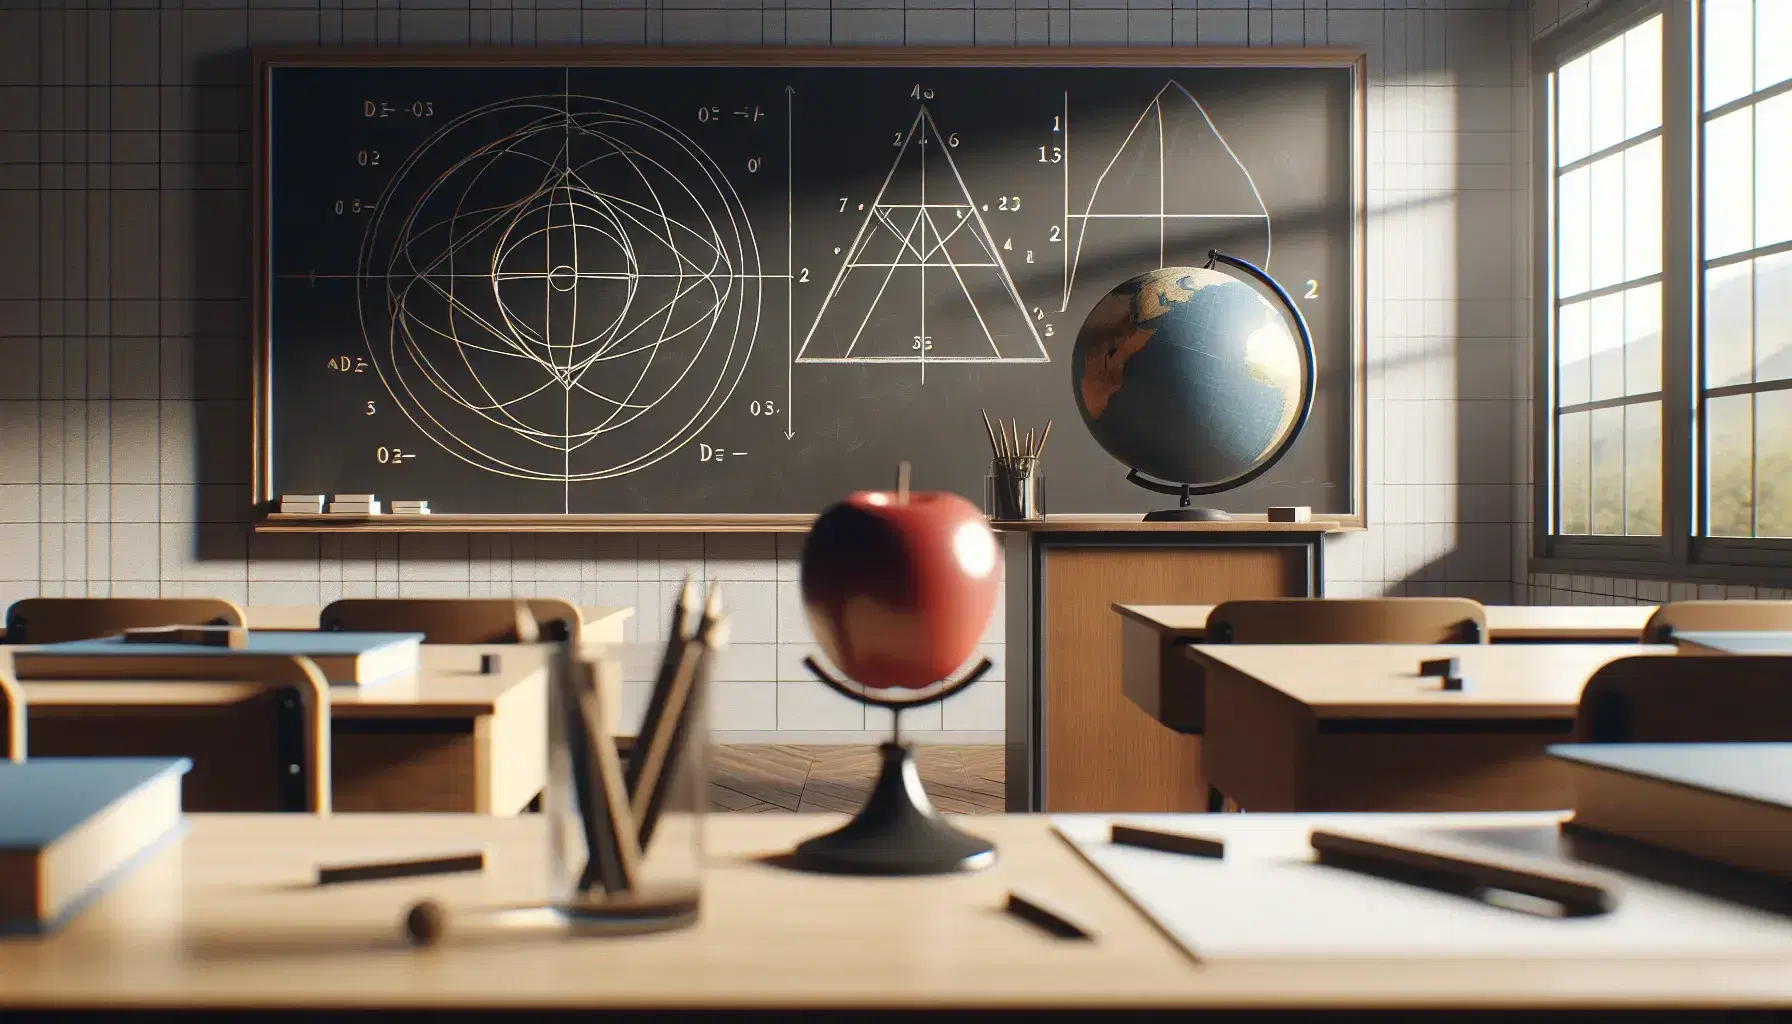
(1188, 515)
(897, 832)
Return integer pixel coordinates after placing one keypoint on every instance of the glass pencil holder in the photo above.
(625, 833)
(1014, 489)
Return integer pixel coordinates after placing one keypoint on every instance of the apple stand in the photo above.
(897, 832)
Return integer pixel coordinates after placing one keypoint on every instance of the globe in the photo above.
(1188, 375)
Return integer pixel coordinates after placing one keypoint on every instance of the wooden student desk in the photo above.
(602, 623)
(1155, 676)
(227, 919)
(1337, 727)
(450, 740)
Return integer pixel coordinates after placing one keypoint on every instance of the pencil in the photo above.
(994, 448)
(1053, 920)
(1004, 429)
(1442, 873)
(445, 864)
(1047, 432)
(1168, 842)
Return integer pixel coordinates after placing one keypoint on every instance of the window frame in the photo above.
(1679, 553)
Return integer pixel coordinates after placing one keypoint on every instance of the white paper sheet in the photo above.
(1267, 898)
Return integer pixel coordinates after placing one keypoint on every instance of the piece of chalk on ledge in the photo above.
(1290, 513)
(373, 871)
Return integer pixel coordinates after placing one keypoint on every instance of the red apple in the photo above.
(899, 586)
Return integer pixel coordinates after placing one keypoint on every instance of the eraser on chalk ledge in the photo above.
(1290, 513)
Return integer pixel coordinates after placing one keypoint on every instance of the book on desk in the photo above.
(71, 827)
(345, 659)
(1729, 803)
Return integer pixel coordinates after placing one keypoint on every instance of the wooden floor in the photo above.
(962, 780)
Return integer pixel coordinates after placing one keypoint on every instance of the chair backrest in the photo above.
(52, 620)
(12, 715)
(1715, 616)
(455, 620)
(255, 726)
(1381, 620)
(1689, 698)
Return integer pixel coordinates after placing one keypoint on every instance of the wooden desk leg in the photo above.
(1259, 743)
(510, 749)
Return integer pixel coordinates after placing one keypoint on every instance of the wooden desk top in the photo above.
(228, 919)
(1382, 680)
(305, 616)
(1504, 621)
(448, 685)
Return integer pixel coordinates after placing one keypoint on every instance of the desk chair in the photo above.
(455, 620)
(1688, 698)
(12, 717)
(1379, 620)
(52, 620)
(1715, 616)
(255, 726)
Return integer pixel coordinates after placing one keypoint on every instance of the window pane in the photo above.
(1573, 215)
(1608, 471)
(1729, 312)
(1608, 94)
(1773, 464)
(1642, 77)
(1728, 448)
(1574, 451)
(1642, 340)
(1607, 339)
(1573, 111)
(1642, 469)
(1572, 340)
(1729, 51)
(1773, 58)
(1773, 168)
(1607, 266)
(1642, 210)
(1773, 317)
(1729, 182)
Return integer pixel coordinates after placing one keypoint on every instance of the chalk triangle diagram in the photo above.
(923, 280)
(1173, 189)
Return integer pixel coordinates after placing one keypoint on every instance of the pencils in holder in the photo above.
(1015, 490)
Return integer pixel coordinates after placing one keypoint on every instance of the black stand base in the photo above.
(1188, 515)
(897, 832)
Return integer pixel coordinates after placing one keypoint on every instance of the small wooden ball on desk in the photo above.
(426, 922)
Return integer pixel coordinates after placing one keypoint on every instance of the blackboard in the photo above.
(703, 283)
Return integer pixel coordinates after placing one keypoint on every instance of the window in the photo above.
(1608, 257)
(1665, 414)
(1746, 153)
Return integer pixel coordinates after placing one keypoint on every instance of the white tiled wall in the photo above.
(124, 283)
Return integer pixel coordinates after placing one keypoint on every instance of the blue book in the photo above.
(71, 827)
(1725, 802)
(1741, 641)
(345, 659)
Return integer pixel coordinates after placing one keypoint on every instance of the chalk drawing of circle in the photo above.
(560, 288)
(559, 224)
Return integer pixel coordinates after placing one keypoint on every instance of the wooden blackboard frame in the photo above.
(265, 60)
